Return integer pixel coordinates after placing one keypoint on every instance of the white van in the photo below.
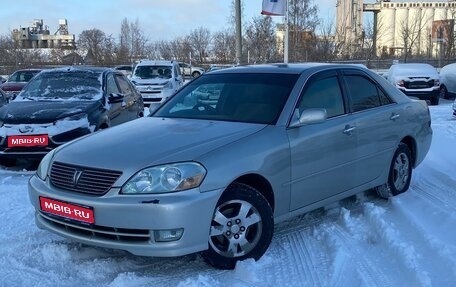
(157, 80)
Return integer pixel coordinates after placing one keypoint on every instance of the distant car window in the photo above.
(325, 94)
(363, 93)
(124, 86)
(151, 72)
(111, 86)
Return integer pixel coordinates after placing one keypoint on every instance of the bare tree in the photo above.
(303, 21)
(93, 42)
(261, 40)
(200, 39)
(133, 42)
(224, 47)
(411, 31)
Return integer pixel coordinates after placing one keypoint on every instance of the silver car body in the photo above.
(302, 166)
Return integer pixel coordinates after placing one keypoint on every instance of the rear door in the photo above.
(378, 124)
(323, 156)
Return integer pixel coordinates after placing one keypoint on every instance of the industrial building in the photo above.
(416, 27)
(37, 35)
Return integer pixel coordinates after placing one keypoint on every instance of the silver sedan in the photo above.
(229, 155)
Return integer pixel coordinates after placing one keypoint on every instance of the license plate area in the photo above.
(28, 141)
(67, 210)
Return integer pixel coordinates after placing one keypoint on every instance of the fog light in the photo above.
(168, 235)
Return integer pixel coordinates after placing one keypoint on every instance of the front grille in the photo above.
(83, 179)
(97, 231)
(419, 84)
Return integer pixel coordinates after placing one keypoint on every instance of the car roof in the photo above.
(79, 68)
(279, 68)
(155, 63)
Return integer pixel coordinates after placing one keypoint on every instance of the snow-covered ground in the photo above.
(363, 241)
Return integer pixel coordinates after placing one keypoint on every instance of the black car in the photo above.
(59, 105)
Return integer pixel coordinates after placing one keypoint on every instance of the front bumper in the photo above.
(422, 94)
(120, 218)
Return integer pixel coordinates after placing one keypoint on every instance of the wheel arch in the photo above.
(261, 184)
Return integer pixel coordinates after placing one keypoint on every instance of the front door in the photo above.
(323, 156)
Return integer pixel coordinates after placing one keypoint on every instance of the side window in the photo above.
(363, 93)
(111, 86)
(124, 86)
(384, 100)
(323, 93)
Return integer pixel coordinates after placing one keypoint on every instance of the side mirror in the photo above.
(308, 117)
(115, 98)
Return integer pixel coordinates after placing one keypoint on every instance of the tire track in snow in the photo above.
(366, 269)
(406, 241)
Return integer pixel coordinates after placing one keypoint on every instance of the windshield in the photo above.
(252, 98)
(152, 72)
(22, 76)
(79, 85)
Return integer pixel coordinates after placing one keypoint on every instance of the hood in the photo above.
(150, 141)
(40, 112)
(12, 86)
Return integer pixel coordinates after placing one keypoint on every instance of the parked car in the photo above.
(16, 82)
(190, 71)
(59, 105)
(416, 80)
(448, 81)
(214, 174)
(157, 80)
(3, 98)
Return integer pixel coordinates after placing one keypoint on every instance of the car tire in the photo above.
(434, 101)
(444, 92)
(400, 173)
(196, 74)
(235, 235)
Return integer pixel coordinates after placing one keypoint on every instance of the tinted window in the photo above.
(124, 86)
(254, 98)
(323, 94)
(363, 93)
(111, 85)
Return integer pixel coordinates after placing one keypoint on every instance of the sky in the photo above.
(160, 20)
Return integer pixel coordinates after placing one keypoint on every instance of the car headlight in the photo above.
(165, 178)
(168, 85)
(43, 167)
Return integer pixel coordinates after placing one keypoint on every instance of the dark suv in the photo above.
(62, 104)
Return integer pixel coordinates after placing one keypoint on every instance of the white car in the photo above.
(416, 80)
(190, 71)
(157, 80)
(448, 81)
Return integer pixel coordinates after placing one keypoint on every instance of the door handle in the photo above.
(349, 129)
(394, 116)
